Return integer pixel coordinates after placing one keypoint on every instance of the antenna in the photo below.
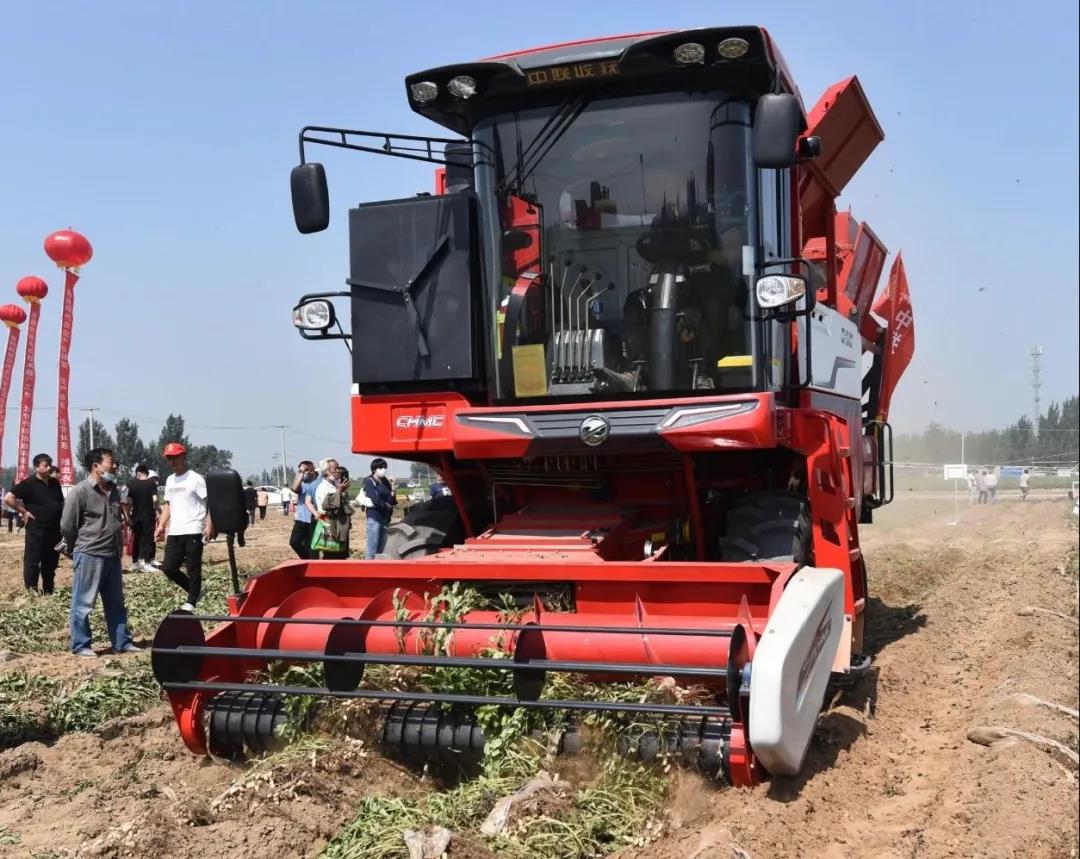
(1036, 383)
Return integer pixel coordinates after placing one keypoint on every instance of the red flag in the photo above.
(5, 380)
(63, 425)
(894, 306)
(26, 405)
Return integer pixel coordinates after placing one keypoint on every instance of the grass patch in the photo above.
(621, 807)
(611, 814)
(40, 624)
(33, 707)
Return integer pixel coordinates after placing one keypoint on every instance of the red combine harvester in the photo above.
(633, 335)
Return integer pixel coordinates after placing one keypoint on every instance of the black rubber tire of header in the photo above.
(768, 526)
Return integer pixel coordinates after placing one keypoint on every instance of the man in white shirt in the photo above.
(185, 519)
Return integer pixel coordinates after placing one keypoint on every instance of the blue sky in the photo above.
(166, 132)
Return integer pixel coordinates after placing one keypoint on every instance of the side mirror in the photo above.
(310, 198)
(778, 121)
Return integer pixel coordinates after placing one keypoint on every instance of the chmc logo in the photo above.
(418, 421)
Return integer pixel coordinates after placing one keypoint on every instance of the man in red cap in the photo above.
(185, 519)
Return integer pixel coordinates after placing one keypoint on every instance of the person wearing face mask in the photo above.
(379, 492)
(90, 531)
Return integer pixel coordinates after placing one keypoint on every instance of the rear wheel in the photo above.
(425, 529)
(768, 526)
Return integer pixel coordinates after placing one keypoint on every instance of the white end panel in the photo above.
(791, 668)
(835, 351)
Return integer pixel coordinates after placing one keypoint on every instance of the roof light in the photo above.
(463, 86)
(776, 290)
(690, 53)
(424, 91)
(733, 48)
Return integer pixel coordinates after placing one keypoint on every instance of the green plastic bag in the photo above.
(321, 541)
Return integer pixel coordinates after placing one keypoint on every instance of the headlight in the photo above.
(315, 315)
(733, 48)
(463, 86)
(424, 91)
(776, 290)
(689, 54)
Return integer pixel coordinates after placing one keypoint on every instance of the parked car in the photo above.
(274, 494)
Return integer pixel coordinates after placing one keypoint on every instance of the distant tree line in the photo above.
(1057, 442)
(130, 449)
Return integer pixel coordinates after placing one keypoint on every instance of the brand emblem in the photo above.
(416, 421)
(594, 430)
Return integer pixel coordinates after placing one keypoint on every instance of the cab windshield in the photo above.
(643, 212)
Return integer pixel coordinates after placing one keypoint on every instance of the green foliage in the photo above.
(1058, 441)
(128, 691)
(39, 624)
(420, 471)
(302, 710)
(37, 707)
(201, 457)
(102, 438)
(601, 818)
(130, 449)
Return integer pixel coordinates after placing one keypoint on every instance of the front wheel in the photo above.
(425, 529)
(768, 526)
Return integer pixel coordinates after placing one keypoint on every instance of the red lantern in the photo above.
(68, 249)
(32, 289)
(12, 315)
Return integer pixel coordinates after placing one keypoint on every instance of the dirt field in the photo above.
(891, 770)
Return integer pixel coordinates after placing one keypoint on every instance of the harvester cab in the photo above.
(635, 339)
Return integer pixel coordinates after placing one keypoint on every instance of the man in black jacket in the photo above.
(40, 501)
(250, 499)
(142, 498)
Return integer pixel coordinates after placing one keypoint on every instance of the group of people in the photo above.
(983, 484)
(88, 526)
(257, 499)
(324, 509)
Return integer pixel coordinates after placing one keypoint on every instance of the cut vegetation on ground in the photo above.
(91, 763)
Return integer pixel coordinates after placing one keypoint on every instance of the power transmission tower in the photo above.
(1036, 383)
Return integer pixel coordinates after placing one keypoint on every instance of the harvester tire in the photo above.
(768, 526)
(425, 529)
